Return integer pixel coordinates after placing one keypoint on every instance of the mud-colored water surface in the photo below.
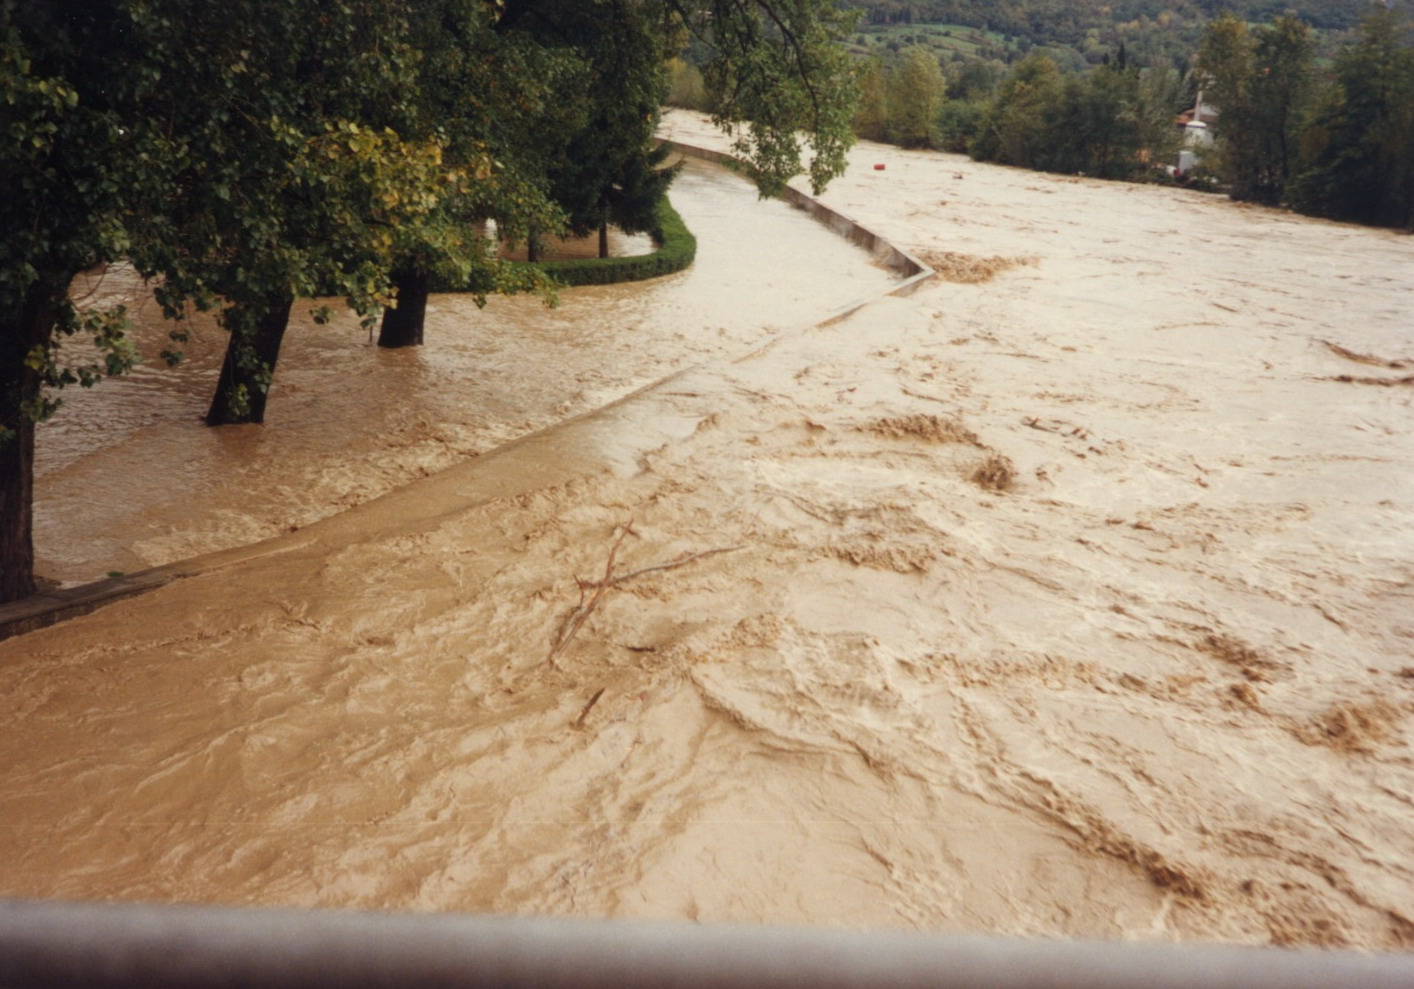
(1071, 596)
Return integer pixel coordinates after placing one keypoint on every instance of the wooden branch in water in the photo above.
(672, 564)
(584, 712)
(586, 605)
(592, 592)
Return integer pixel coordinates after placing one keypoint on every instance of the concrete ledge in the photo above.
(51, 606)
(913, 270)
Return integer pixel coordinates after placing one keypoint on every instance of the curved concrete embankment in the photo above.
(57, 604)
(913, 270)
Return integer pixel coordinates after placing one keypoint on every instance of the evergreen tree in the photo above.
(608, 161)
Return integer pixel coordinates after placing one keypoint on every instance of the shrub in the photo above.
(677, 248)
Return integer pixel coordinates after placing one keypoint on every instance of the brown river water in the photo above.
(1070, 596)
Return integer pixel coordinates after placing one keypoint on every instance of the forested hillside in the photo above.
(1077, 34)
(1046, 21)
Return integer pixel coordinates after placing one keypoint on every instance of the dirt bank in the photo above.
(1070, 597)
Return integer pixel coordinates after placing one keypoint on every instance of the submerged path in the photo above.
(1071, 602)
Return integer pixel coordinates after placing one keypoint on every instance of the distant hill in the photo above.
(1076, 32)
(1067, 21)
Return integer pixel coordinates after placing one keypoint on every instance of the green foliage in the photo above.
(1261, 83)
(492, 101)
(781, 82)
(958, 124)
(677, 248)
(75, 163)
(871, 118)
(250, 153)
(1012, 130)
(57, 366)
(292, 177)
(1358, 161)
(1152, 27)
(915, 93)
(606, 170)
(1110, 123)
(901, 97)
(686, 87)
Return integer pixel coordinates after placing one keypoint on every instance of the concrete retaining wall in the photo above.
(914, 271)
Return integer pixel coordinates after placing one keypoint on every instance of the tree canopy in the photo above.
(250, 154)
(1358, 154)
(1261, 82)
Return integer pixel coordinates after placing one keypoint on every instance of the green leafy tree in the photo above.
(1013, 130)
(1359, 155)
(80, 155)
(776, 74)
(871, 119)
(607, 168)
(1114, 121)
(1282, 85)
(259, 153)
(686, 87)
(222, 153)
(1261, 84)
(781, 82)
(772, 69)
(493, 101)
(1093, 128)
(293, 187)
(1111, 122)
(915, 96)
(1162, 93)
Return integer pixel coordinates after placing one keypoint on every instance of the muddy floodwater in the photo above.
(1070, 596)
(127, 478)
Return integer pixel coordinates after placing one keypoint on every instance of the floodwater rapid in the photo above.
(1069, 596)
(128, 478)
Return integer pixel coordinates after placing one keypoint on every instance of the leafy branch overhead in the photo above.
(250, 154)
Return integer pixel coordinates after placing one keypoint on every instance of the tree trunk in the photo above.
(603, 238)
(532, 246)
(251, 353)
(20, 332)
(402, 327)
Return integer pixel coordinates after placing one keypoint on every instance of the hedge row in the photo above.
(677, 248)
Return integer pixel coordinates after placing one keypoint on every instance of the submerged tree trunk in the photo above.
(254, 347)
(402, 327)
(20, 332)
(603, 238)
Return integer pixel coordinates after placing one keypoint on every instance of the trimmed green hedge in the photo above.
(677, 248)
